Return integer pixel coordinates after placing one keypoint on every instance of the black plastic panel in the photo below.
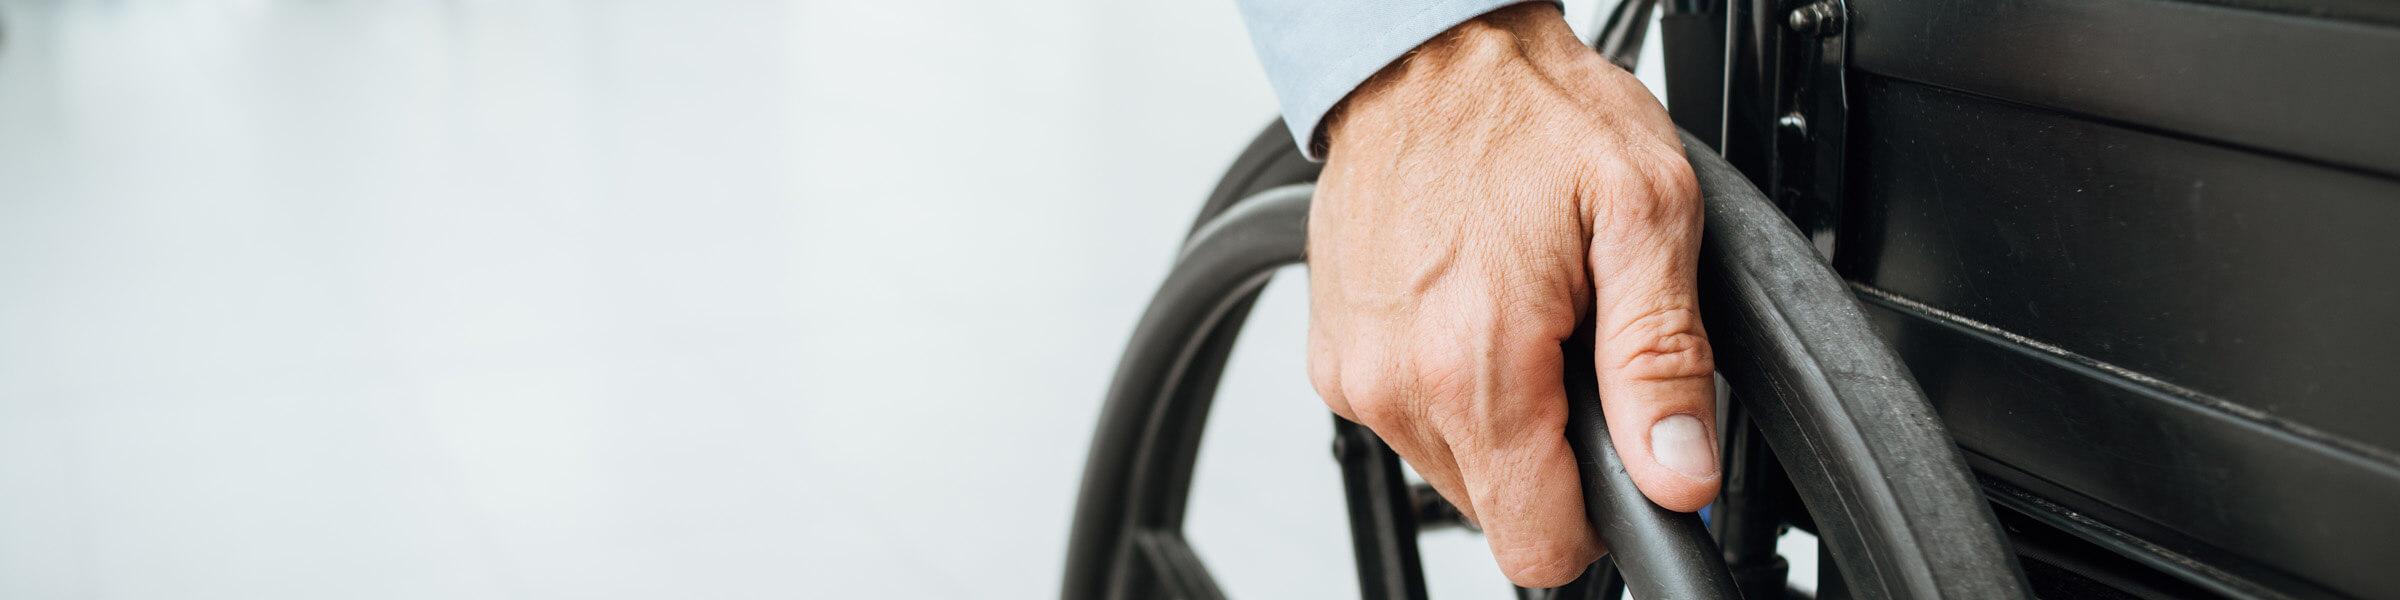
(2310, 87)
(2237, 485)
(2062, 566)
(2267, 282)
(2145, 257)
(2381, 12)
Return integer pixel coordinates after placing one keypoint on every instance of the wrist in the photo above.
(1461, 71)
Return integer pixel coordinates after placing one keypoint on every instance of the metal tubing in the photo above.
(1902, 520)
(1383, 527)
(1620, 38)
(1662, 553)
(1748, 517)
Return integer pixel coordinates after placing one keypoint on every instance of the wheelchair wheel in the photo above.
(1821, 412)
(1825, 429)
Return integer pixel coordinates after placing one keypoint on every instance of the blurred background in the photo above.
(720, 299)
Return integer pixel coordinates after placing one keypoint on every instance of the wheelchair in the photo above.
(2011, 298)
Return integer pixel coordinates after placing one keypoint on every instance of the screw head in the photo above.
(1817, 19)
(1803, 20)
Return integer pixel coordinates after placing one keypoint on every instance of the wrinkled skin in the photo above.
(1480, 197)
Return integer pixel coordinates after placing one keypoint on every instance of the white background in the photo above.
(725, 299)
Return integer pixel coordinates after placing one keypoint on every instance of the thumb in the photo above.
(1656, 372)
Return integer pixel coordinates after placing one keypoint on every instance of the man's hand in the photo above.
(1480, 197)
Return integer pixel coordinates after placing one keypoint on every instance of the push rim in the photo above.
(1882, 485)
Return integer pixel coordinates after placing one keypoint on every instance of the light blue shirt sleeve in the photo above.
(1316, 51)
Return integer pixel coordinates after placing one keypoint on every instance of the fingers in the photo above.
(1486, 429)
(1523, 481)
(1373, 395)
(1656, 372)
(1532, 509)
(1429, 455)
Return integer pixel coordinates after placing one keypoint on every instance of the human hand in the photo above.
(1480, 197)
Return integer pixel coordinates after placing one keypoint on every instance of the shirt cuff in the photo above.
(1317, 51)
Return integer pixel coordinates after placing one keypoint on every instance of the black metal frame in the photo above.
(1127, 540)
(1853, 113)
(1383, 514)
(2135, 247)
(1899, 514)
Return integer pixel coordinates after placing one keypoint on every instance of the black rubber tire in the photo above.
(1106, 511)
(1887, 490)
(1885, 486)
(1270, 161)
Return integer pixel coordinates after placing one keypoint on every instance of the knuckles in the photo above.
(1672, 180)
(1455, 392)
(1325, 374)
(1647, 188)
(1388, 391)
(1379, 411)
(1666, 344)
(1444, 372)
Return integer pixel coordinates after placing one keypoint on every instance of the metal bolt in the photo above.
(1818, 19)
(1793, 122)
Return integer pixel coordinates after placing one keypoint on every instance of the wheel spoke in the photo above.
(1888, 494)
(1139, 474)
